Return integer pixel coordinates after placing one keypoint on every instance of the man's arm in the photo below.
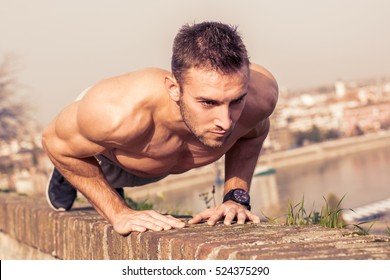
(240, 163)
(71, 142)
(241, 159)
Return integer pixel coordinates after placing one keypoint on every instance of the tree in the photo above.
(13, 112)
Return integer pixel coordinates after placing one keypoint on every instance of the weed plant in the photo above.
(205, 197)
(297, 215)
(329, 217)
(361, 230)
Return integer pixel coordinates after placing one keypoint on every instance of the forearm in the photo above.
(87, 177)
(240, 163)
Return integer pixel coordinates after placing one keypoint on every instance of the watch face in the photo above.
(241, 196)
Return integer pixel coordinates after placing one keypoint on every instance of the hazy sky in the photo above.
(64, 46)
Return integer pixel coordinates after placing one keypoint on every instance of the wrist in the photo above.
(117, 213)
(239, 196)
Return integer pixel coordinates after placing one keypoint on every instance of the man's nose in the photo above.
(223, 118)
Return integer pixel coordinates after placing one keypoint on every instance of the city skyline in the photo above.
(63, 47)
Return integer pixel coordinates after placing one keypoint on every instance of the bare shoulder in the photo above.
(119, 109)
(263, 88)
(261, 101)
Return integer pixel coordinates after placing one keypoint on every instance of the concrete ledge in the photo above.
(27, 222)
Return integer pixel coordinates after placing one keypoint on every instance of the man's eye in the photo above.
(238, 101)
(208, 103)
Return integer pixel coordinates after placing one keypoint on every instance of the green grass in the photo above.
(6, 191)
(147, 205)
(269, 219)
(329, 217)
(297, 215)
(138, 205)
(361, 230)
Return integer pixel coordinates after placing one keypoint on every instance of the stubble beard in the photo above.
(191, 124)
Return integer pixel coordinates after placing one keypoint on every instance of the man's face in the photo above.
(211, 104)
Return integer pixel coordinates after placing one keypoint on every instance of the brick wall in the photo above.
(31, 230)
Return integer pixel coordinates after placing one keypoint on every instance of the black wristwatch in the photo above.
(240, 196)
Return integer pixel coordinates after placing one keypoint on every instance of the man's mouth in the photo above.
(219, 133)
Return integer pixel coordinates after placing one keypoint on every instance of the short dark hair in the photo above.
(210, 46)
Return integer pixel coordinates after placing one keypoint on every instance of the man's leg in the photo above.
(60, 194)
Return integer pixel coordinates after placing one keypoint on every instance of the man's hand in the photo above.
(229, 210)
(145, 220)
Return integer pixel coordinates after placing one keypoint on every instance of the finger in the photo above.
(176, 223)
(137, 228)
(129, 228)
(215, 218)
(197, 219)
(150, 224)
(166, 222)
(201, 217)
(230, 216)
(140, 224)
(241, 217)
(161, 225)
(255, 219)
(147, 220)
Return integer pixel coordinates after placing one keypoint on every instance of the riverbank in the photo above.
(326, 150)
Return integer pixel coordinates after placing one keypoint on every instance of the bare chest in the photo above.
(164, 158)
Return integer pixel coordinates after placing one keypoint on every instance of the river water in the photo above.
(363, 178)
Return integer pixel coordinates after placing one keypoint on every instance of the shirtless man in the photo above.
(139, 127)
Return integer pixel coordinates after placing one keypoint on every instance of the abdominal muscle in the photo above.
(148, 165)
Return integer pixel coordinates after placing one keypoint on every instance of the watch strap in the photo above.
(229, 196)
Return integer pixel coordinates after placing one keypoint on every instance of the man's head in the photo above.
(210, 67)
(208, 46)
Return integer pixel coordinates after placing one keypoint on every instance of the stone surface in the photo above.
(31, 230)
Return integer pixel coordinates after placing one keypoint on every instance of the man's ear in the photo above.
(173, 88)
